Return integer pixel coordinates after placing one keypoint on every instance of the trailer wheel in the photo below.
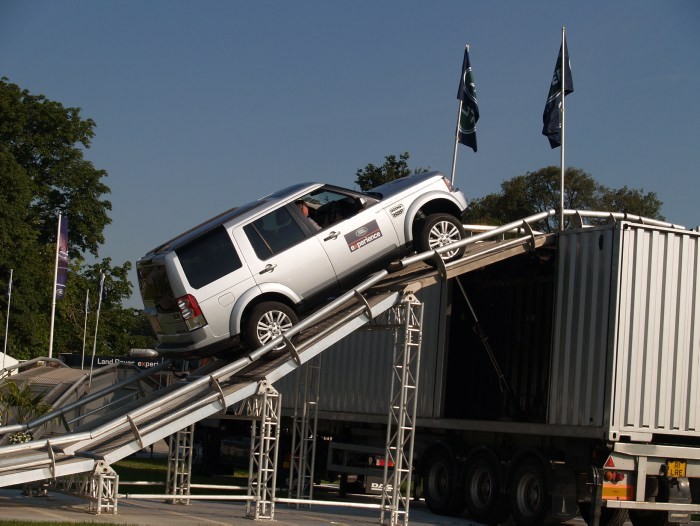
(648, 518)
(530, 502)
(438, 230)
(442, 494)
(482, 484)
(656, 490)
(608, 516)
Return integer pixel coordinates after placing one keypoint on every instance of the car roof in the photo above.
(242, 213)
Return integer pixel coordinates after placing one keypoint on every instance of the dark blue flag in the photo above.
(62, 262)
(552, 110)
(469, 109)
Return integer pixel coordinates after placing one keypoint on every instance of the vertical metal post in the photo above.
(564, 56)
(401, 426)
(305, 425)
(180, 465)
(104, 489)
(262, 472)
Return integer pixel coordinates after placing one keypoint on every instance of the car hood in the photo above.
(397, 186)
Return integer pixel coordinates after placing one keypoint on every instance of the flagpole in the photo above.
(87, 299)
(563, 126)
(55, 277)
(97, 323)
(7, 319)
(454, 154)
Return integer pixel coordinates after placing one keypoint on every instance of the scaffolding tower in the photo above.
(264, 446)
(305, 422)
(401, 425)
(180, 465)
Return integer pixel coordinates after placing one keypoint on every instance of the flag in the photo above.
(469, 108)
(552, 110)
(62, 259)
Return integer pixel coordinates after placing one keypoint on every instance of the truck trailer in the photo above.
(558, 382)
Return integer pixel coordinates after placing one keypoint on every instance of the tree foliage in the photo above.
(21, 404)
(539, 191)
(393, 168)
(43, 171)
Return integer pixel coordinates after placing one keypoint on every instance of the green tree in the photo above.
(45, 141)
(21, 404)
(43, 171)
(393, 168)
(538, 191)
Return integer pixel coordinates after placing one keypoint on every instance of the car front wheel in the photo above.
(438, 230)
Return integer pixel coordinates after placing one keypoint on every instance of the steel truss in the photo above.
(302, 462)
(180, 465)
(264, 445)
(401, 425)
(406, 320)
(101, 487)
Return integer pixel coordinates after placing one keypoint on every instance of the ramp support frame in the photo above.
(264, 446)
(304, 431)
(401, 425)
(180, 465)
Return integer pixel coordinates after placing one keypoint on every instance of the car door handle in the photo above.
(332, 235)
(268, 268)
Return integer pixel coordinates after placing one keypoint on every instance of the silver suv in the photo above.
(247, 275)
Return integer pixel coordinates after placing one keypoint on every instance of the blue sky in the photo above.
(201, 106)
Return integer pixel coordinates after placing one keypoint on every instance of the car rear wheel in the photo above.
(266, 322)
(438, 230)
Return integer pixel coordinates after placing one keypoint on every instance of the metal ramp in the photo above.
(123, 429)
(127, 428)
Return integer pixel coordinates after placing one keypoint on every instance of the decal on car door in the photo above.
(363, 236)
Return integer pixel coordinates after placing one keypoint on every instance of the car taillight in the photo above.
(190, 312)
(448, 184)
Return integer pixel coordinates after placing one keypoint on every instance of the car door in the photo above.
(355, 235)
(284, 255)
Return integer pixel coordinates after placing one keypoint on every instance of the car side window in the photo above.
(273, 233)
(327, 206)
(209, 257)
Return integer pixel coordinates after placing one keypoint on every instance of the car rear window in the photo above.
(155, 287)
(209, 257)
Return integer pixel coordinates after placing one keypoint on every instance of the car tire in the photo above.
(438, 230)
(266, 321)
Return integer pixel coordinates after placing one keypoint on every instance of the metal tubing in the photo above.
(478, 237)
(623, 216)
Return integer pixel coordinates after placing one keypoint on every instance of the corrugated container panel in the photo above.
(356, 372)
(658, 353)
(579, 357)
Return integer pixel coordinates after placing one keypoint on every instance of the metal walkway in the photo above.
(87, 434)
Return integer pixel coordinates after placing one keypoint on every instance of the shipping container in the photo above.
(549, 382)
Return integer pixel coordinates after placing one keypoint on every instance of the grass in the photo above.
(156, 470)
